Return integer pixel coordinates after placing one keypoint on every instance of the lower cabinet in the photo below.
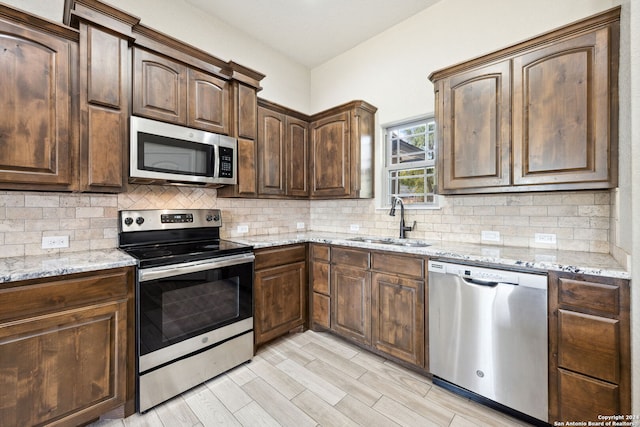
(66, 348)
(376, 299)
(279, 291)
(351, 303)
(589, 347)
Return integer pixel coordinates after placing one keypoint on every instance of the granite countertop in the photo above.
(529, 258)
(37, 266)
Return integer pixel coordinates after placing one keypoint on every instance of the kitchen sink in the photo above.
(389, 241)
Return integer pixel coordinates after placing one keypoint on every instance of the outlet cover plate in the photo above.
(354, 227)
(490, 236)
(300, 225)
(243, 229)
(52, 242)
(545, 238)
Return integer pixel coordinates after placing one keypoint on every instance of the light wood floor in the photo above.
(310, 379)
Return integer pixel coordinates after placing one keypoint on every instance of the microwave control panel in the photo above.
(226, 162)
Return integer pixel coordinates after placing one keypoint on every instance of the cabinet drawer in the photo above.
(398, 264)
(281, 255)
(600, 297)
(351, 257)
(55, 294)
(589, 345)
(320, 253)
(584, 398)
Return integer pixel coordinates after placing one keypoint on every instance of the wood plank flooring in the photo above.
(316, 379)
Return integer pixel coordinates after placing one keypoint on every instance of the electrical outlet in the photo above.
(300, 226)
(51, 242)
(354, 227)
(243, 229)
(545, 238)
(490, 236)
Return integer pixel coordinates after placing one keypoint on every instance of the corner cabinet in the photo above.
(280, 297)
(342, 152)
(283, 147)
(537, 116)
(38, 136)
(589, 347)
(66, 348)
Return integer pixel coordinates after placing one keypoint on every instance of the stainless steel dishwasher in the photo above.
(488, 336)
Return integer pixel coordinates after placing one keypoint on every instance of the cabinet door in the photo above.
(331, 156)
(297, 141)
(104, 109)
(397, 305)
(247, 108)
(159, 88)
(351, 303)
(561, 112)
(476, 129)
(67, 366)
(208, 105)
(37, 142)
(271, 153)
(280, 294)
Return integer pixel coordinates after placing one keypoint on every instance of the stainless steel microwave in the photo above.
(166, 153)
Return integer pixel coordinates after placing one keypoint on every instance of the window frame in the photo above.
(387, 167)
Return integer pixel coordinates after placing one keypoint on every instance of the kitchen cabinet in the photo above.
(245, 128)
(341, 163)
(537, 116)
(398, 306)
(38, 126)
(66, 347)
(282, 152)
(104, 95)
(170, 91)
(320, 268)
(589, 347)
(280, 295)
(351, 294)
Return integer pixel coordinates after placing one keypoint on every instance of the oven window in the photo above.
(161, 154)
(180, 307)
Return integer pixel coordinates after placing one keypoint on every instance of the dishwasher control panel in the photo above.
(484, 274)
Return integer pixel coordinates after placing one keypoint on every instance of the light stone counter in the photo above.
(515, 257)
(37, 266)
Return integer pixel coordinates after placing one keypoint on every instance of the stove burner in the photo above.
(213, 246)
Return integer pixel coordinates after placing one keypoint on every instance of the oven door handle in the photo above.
(146, 274)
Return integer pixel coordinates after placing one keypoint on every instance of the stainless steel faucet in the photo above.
(403, 229)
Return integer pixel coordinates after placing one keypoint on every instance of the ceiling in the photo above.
(312, 31)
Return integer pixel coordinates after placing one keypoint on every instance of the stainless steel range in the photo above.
(194, 293)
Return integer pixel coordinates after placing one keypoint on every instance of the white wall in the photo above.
(391, 69)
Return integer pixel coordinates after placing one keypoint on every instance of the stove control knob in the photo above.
(209, 218)
(216, 217)
(139, 220)
(128, 221)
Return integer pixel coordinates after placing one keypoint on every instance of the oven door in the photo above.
(188, 307)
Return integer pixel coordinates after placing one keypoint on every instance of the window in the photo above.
(410, 164)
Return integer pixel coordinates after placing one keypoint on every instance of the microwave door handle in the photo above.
(216, 161)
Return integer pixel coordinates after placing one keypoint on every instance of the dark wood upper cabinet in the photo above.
(331, 156)
(271, 153)
(159, 87)
(476, 131)
(38, 136)
(555, 96)
(104, 101)
(561, 112)
(342, 152)
(282, 152)
(208, 105)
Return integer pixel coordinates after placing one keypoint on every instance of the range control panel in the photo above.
(167, 219)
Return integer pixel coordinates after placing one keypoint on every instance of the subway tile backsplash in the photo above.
(581, 221)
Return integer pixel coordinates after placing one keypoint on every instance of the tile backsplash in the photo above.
(580, 220)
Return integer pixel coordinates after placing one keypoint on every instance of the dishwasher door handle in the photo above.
(479, 282)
